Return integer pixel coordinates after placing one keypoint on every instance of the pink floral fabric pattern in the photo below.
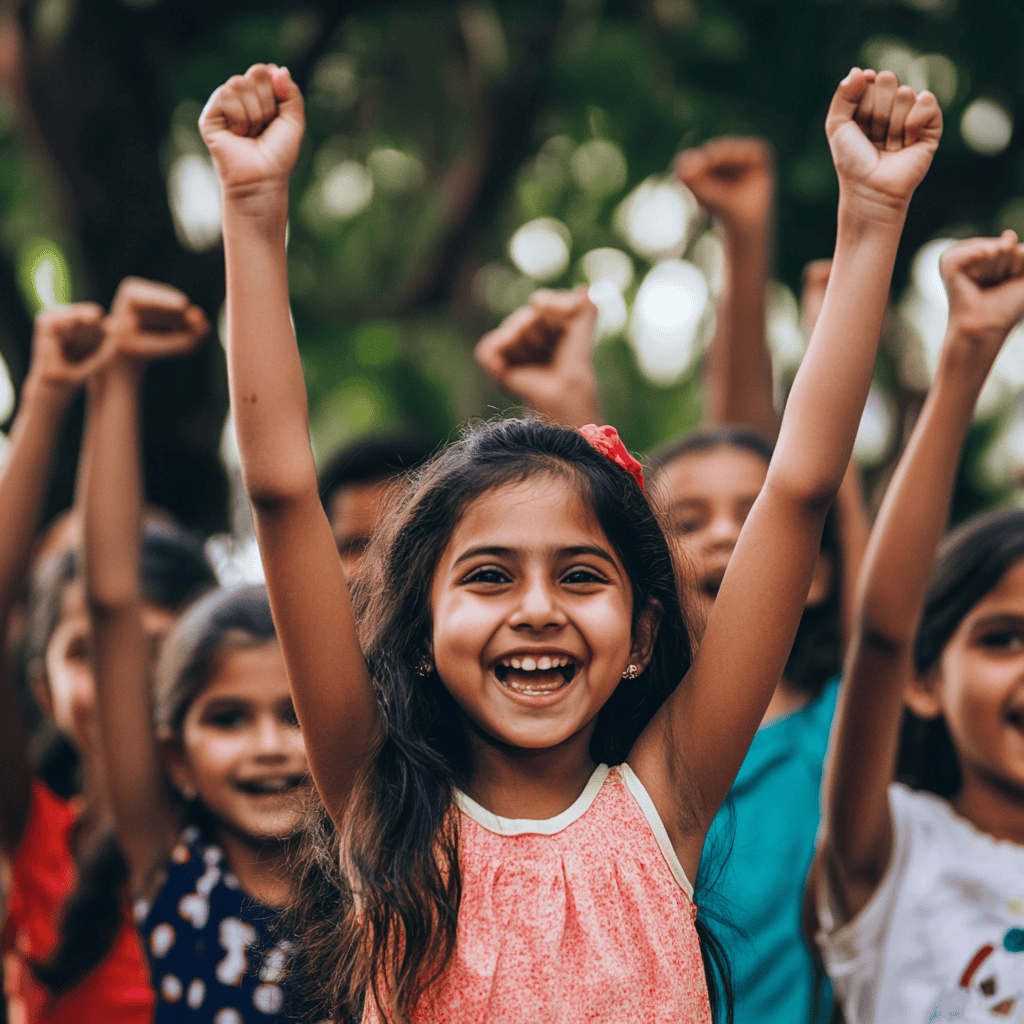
(607, 441)
(586, 917)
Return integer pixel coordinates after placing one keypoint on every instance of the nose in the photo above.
(723, 531)
(539, 606)
(271, 738)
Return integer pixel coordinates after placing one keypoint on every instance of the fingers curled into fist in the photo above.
(150, 320)
(69, 344)
(984, 279)
(882, 136)
(253, 125)
(733, 178)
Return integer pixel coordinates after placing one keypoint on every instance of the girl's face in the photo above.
(240, 750)
(70, 693)
(531, 615)
(978, 688)
(707, 496)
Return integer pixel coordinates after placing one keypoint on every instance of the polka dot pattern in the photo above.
(217, 955)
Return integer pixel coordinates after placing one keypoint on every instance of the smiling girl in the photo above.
(506, 728)
(206, 855)
(920, 897)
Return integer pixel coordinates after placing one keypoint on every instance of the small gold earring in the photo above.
(425, 665)
(631, 671)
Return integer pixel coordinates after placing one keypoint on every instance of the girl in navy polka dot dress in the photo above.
(206, 803)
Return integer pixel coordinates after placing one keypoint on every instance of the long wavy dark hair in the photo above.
(174, 568)
(376, 906)
(817, 652)
(971, 562)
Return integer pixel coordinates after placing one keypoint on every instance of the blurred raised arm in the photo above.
(67, 347)
(147, 321)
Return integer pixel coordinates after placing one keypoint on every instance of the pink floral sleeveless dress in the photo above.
(584, 917)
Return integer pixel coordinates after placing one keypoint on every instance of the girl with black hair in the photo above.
(205, 770)
(919, 881)
(505, 725)
(71, 951)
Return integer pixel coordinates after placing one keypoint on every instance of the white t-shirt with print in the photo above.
(943, 937)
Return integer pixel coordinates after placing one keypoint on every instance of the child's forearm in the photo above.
(912, 518)
(23, 484)
(739, 366)
(111, 499)
(853, 528)
(832, 383)
(268, 392)
(110, 490)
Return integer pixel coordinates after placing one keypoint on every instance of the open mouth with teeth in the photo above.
(534, 675)
(271, 786)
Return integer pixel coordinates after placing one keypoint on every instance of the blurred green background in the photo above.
(436, 133)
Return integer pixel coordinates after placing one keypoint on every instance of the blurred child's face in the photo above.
(531, 615)
(70, 689)
(979, 689)
(707, 496)
(353, 510)
(240, 749)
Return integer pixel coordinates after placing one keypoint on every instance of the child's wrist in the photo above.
(970, 349)
(47, 394)
(868, 209)
(262, 203)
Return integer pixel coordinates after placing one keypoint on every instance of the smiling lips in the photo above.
(535, 675)
(273, 785)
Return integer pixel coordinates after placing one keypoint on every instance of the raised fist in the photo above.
(882, 136)
(984, 279)
(733, 178)
(541, 354)
(69, 344)
(253, 125)
(154, 321)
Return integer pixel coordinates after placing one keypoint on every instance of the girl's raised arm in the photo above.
(882, 138)
(67, 346)
(253, 125)
(146, 321)
(985, 283)
(734, 179)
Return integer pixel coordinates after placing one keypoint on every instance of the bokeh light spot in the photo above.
(986, 127)
(540, 248)
(656, 216)
(664, 324)
(607, 264)
(193, 191)
(612, 314)
(875, 433)
(394, 170)
(346, 189)
(44, 274)
(599, 167)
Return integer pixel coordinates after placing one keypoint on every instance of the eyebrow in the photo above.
(502, 552)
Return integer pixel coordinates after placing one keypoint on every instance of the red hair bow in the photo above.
(606, 440)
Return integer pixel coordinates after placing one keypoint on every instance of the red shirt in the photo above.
(43, 874)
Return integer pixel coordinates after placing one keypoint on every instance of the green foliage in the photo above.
(437, 130)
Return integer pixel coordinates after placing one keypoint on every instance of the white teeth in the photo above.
(529, 665)
(544, 664)
(516, 663)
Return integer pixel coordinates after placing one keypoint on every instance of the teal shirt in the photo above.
(776, 807)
